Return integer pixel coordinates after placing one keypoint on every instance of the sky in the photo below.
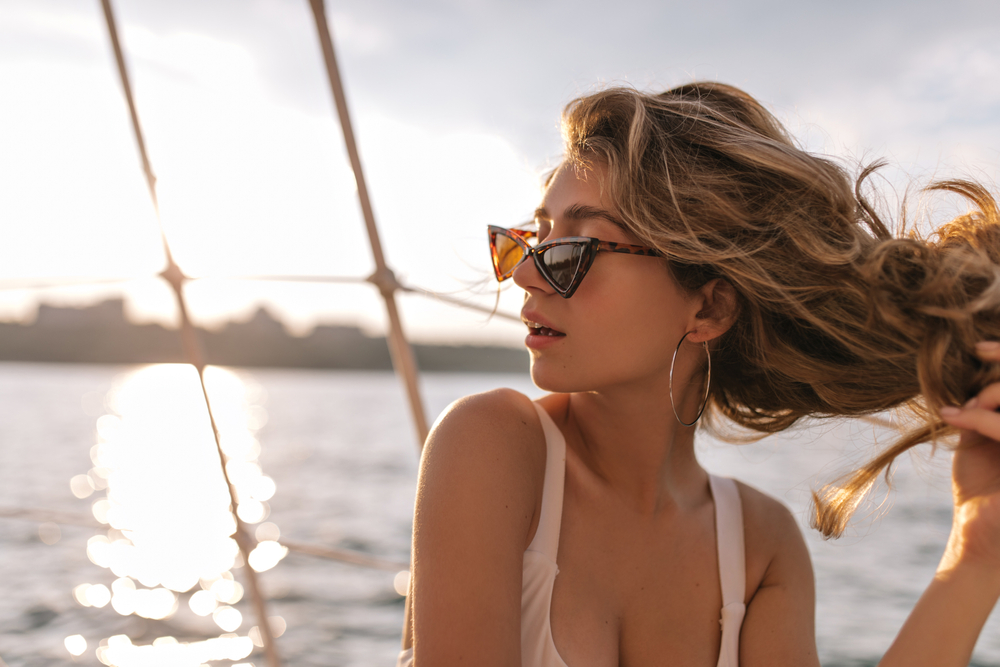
(455, 105)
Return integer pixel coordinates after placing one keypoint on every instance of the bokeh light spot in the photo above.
(401, 582)
(266, 555)
(81, 486)
(252, 511)
(227, 591)
(155, 603)
(202, 603)
(263, 488)
(75, 644)
(100, 510)
(163, 641)
(99, 550)
(227, 618)
(80, 593)
(267, 532)
(278, 627)
(98, 596)
(123, 596)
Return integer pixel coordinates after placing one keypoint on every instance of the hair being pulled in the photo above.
(836, 316)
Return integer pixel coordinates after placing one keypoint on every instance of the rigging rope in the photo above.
(46, 283)
(383, 278)
(340, 554)
(192, 349)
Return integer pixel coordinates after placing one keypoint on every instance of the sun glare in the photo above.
(167, 508)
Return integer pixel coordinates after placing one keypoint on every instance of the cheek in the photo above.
(641, 307)
(637, 332)
(623, 329)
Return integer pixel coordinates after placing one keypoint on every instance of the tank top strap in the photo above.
(546, 538)
(732, 565)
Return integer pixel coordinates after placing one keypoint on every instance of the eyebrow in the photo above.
(578, 212)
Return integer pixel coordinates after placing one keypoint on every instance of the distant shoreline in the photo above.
(100, 334)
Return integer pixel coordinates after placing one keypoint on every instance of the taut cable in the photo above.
(383, 278)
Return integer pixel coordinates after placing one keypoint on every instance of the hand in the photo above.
(975, 534)
(943, 628)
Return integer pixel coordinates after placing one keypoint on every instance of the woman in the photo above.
(687, 257)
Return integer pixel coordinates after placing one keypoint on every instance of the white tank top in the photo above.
(540, 569)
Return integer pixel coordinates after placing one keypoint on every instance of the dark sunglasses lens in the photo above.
(561, 263)
(506, 254)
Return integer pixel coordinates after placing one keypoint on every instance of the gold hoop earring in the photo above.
(708, 383)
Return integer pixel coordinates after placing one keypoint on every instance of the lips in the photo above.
(539, 328)
(543, 331)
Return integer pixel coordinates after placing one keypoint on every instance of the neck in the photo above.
(630, 440)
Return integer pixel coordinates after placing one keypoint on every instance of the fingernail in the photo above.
(987, 346)
(973, 402)
(950, 411)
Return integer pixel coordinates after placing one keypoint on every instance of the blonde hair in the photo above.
(836, 316)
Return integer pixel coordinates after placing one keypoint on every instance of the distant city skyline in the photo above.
(455, 107)
(100, 334)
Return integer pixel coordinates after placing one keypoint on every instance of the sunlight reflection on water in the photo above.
(341, 449)
(168, 509)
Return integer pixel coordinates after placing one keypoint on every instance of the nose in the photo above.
(527, 277)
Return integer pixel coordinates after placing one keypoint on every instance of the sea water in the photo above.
(341, 450)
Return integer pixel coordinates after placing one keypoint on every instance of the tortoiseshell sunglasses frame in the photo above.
(591, 246)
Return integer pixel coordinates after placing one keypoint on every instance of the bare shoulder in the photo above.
(500, 408)
(480, 483)
(767, 520)
(486, 450)
(499, 424)
(776, 552)
(779, 624)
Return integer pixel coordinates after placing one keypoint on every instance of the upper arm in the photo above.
(480, 482)
(779, 626)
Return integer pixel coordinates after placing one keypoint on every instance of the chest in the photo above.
(635, 590)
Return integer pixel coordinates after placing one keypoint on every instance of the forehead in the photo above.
(575, 196)
(572, 184)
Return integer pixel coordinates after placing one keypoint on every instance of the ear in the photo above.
(719, 310)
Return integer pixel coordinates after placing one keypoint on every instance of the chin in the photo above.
(564, 376)
(552, 377)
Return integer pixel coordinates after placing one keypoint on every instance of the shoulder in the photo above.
(779, 627)
(775, 548)
(487, 424)
(486, 444)
(767, 518)
(506, 410)
(481, 478)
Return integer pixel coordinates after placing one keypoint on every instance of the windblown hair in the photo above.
(836, 316)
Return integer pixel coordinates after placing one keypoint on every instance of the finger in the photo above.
(984, 422)
(988, 350)
(987, 399)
